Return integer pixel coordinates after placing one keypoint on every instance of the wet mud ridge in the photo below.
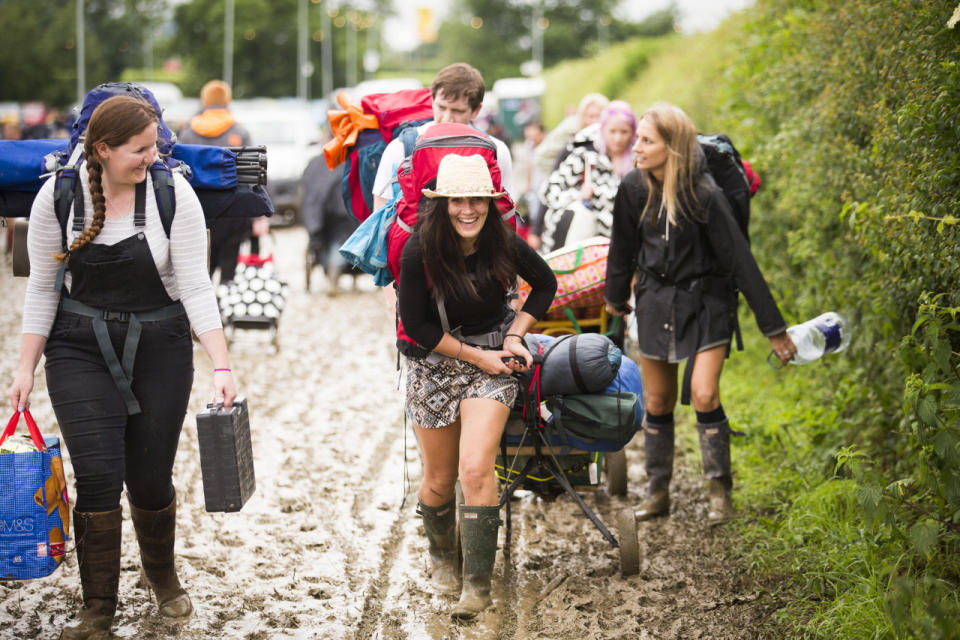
(324, 549)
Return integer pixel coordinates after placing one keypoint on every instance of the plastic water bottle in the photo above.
(827, 333)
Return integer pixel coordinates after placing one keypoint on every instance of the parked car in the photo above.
(288, 129)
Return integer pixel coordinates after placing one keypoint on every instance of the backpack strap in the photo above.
(408, 137)
(164, 192)
(68, 192)
(140, 206)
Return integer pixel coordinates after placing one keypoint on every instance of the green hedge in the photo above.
(852, 114)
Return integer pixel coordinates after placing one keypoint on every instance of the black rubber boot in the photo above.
(478, 528)
(98, 556)
(156, 531)
(715, 455)
(658, 447)
(440, 524)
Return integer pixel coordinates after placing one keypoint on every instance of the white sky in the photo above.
(695, 15)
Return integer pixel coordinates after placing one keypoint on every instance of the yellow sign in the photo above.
(426, 28)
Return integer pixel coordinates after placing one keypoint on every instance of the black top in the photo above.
(686, 278)
(421, 317)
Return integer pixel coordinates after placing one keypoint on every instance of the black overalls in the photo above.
(120, 415)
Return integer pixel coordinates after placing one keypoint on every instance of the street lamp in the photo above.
(326, 53)
(304, 69)
(228, 43)
(81, 54)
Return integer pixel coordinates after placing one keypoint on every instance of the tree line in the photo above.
(130, 40)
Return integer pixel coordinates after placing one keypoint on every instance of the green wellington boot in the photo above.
(98, 556)
(658, 448)
(156, 531)
(443, 565)
(478, 528)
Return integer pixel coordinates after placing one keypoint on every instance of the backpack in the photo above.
(727, 168)
(68, 190)
(420, 167)
(393, 113)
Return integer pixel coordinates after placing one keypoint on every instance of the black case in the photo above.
(226, 456)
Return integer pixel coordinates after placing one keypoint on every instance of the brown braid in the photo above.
(114, 121)
(94, 173)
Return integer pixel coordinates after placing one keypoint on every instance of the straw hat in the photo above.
(463, 177)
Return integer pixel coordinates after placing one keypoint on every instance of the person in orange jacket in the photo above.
(216, 126)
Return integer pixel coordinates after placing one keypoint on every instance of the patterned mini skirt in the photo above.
(434, 391)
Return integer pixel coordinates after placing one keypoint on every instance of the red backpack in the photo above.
(362, 132)
(418, 169)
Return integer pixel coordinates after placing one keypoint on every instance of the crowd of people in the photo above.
(676, 260)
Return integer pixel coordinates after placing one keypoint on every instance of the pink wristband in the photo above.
(215, 370)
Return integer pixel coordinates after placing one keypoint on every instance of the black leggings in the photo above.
(108, 447)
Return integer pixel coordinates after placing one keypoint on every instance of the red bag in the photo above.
(361, 133)
(421, 167)
(393, 109)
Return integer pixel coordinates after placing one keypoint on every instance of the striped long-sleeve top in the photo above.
(181, 259)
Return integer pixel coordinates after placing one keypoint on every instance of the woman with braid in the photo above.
(113, 315)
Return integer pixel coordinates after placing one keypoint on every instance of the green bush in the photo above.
(852, 115)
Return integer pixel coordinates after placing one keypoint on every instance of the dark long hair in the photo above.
(114, 121)
(444, 260)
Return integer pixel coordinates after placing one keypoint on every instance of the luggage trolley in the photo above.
(535, 457)
(255, 298)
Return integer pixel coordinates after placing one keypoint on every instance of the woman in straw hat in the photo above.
(456, 270)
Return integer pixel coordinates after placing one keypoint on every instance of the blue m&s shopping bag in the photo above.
(34, 506)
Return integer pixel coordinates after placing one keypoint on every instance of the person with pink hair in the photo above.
(579, 193)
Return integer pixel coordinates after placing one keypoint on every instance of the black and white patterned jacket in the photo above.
(563, 185)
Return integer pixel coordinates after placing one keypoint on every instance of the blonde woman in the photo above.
(674, 229)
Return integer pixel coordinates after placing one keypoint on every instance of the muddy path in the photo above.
(329, 548)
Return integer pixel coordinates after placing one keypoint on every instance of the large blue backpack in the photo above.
(68, 191)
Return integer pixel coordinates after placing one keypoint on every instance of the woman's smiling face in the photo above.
(468, 215)
(127, 163)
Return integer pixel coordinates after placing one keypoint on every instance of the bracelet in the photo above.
(224, 369)
(459, 351)
(514, 335)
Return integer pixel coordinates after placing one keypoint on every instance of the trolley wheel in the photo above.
(616, 463)
(629, 545)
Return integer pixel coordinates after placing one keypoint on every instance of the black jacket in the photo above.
(687, 277)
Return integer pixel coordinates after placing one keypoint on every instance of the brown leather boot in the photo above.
(156, 533)
(658, 451)
(478, 528)
(715, 456)
(440, 524)
(98, 556)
